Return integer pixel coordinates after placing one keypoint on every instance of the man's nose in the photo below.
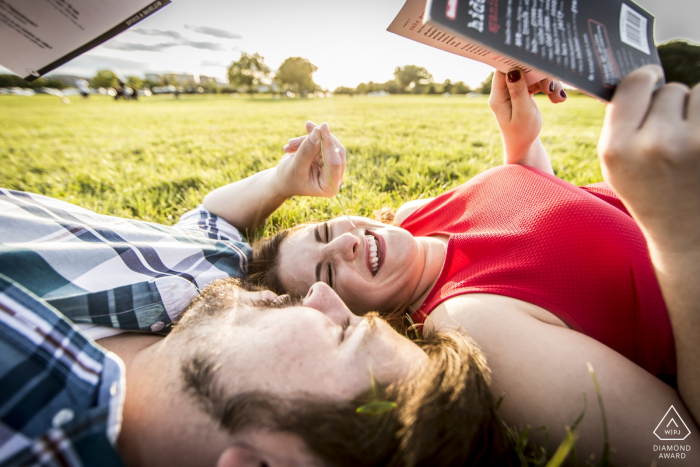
(346, 246)
(322, 298)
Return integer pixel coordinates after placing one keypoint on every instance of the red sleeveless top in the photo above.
(576, 252)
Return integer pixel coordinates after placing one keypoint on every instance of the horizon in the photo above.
(348, 43)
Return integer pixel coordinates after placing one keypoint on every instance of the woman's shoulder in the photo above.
(409, 208)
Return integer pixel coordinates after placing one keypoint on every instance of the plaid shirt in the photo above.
(108, 271)
(61, 395)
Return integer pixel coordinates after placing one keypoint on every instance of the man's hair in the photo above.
(445, 415)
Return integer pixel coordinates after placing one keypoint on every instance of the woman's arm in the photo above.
(247, 203)
(519, 118)
(650, 154)
(542, 369)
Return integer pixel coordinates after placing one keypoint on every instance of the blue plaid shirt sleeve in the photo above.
(61, 396)
(113, 272)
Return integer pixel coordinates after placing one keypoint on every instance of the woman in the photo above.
(551, 279)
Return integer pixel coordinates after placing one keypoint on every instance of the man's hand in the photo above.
(301, 170)
(519, 118)
(650, 154)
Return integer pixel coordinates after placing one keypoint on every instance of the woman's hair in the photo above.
(263, 269)
(444, 416)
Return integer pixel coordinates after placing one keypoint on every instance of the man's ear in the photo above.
(241, 456)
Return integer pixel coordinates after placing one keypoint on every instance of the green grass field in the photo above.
(156, 158)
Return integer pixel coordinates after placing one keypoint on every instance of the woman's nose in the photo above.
(322, 298)
(346, 245)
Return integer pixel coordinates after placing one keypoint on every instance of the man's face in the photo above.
(317, 347)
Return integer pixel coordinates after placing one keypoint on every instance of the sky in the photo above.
(346, 39)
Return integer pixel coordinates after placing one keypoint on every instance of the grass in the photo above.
(156, 158)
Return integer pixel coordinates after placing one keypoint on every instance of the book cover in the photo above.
(590, 45)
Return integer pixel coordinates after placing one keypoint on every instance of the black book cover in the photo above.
(589, 44)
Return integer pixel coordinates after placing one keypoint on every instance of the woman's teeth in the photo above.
(373, 258)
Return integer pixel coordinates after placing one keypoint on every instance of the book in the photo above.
(37, 36)
(590, 44)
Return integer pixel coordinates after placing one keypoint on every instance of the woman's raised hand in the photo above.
(301, 171)
(519, 118)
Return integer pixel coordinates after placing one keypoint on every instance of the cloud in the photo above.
(213, 64)
(222, 33)
(158, 32)
(99, 61)
(202, 45)
(117, 45)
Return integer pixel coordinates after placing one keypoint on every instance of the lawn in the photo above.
(156, 158)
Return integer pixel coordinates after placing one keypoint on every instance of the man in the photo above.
(237, 383)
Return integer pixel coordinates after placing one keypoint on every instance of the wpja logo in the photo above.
(672, 427)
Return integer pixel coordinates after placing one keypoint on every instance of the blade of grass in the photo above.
(605, 460)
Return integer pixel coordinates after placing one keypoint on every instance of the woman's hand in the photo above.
(519, 118)
(301, 170)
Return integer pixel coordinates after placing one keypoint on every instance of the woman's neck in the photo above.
(434, 252)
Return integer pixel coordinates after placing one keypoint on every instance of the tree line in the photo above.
(680, 60)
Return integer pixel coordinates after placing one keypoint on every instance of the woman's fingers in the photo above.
(553, 89)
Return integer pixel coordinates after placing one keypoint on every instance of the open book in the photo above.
(37, 36)
(588, 44)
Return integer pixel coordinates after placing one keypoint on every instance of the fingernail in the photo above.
(563, 94)
(552, 85)
(514, 76)
(314, 136)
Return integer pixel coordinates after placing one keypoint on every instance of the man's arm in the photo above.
(650, 155)
(542, 369)
(247, 203)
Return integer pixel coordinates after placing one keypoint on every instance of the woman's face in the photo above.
(370, 265)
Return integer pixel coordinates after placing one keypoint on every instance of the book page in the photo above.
(37, 33)
(409, 23)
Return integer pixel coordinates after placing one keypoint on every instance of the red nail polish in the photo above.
(563, 94)
(514, 76)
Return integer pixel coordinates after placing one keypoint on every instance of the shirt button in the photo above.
(157, 326)
(62, 417)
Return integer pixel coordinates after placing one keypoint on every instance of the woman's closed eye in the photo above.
(327, 231)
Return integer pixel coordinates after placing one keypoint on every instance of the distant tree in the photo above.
(460, 88)
(344, 90)
(104, 79)
(12, 81)
(134, 82)
(431, 89)
(681, 62)
(248, 72)
(150, 84)
(485, 86)
(447, 86)
(410, 76)
(297, 73)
